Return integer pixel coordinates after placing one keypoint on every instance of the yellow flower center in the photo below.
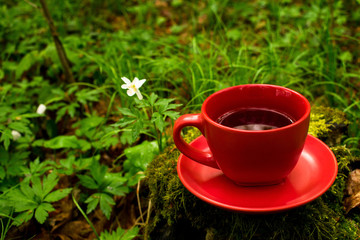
(132, 86)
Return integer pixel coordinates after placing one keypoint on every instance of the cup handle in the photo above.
(194, 120)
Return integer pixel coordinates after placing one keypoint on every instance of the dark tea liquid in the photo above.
(255, 119)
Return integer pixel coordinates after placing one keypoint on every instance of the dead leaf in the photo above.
(62, 237)
(260, 25)
(99, 220)
(352, 202)
(203, 19)
(80, 230)
(353, 184)
(353, 190)
(159, 3)
(62, 214)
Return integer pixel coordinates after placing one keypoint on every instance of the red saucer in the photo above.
(312, 176)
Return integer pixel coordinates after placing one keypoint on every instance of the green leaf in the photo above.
(35, 165)
(105, 202)
(163, 103)
(50, 52)
(117, 189)
(126, 137)
(20, 127)
(20, 201)
(23, 217)
(38, 143)
(57, 195)
(27, 190)
(41, 212)
(72, 89)
(172, 114)
(123, 122)
(140, 155)
(92, 202)
(26, 62)
(173, 106)
(115, 184)
(84, 163)
(67, 142)
(60, 113)
(152, 98)
(120, 234)
(88, 126)
(4, 156)
(159, 121)
(49, 183)
(2, 172)
(126, 112)
(136, 129)
(72, 109)
(37, 168)
(86, 95)
(37, 187)
(88, 182)
(24, 205)
(15, 163)
(233, 34)
(98, 172)
(25, 116)
(346, 56)
(130, 234)
(176, 29)
(6, 208)
(5, 137)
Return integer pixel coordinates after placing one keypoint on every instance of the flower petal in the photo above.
(139, 83)
(126, 80)
(130, 92)
(138, 94)
(125, 86)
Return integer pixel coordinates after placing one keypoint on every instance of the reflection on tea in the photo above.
(254, 119)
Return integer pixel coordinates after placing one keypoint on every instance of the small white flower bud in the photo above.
(15, 134)
(41, 109)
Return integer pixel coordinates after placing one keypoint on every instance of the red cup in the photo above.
(249, 157)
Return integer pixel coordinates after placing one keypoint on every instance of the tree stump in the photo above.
(178, 214)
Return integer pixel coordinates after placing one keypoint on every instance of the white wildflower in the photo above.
(15, 134)
(41, 109)
(133, 87)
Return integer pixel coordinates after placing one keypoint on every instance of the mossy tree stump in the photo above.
(178, 214)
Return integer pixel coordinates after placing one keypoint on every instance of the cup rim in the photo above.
(297, 122)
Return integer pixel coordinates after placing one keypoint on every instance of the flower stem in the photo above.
(85, 216)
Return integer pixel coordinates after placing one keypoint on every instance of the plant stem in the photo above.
(138, 200)
(8, 225)
(160, 142)
(59, 47)
(85, 216)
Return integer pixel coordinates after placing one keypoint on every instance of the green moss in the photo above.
(321, 219)
(328, 124)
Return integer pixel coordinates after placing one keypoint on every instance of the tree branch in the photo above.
(59, 47)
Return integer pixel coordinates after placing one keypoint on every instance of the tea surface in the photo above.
(254, 119)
